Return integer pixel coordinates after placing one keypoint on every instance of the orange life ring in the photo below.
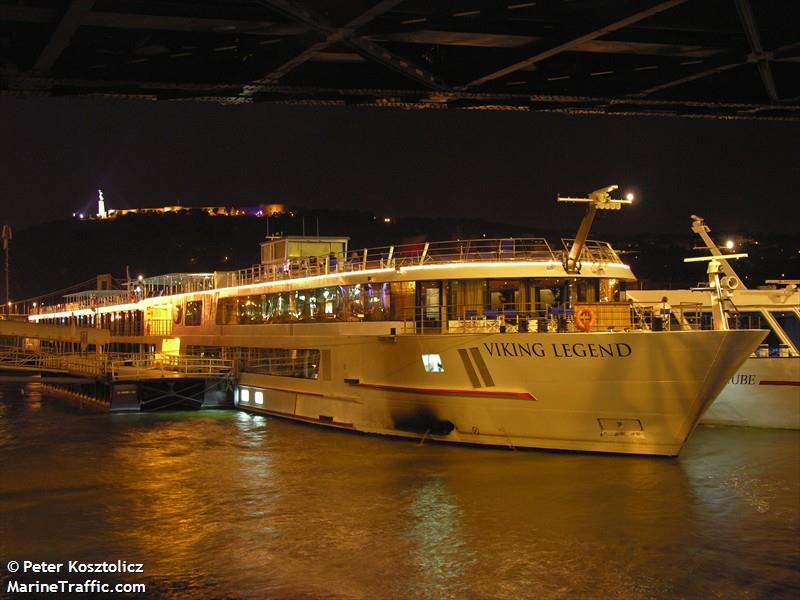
(585, 318)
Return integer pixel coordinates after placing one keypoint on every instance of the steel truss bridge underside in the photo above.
(729, 59)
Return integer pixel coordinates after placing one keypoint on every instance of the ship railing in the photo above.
(593, 252)
(12, 357)
(139, 367)
(114, 365)
(158, 327)
(685, 316)
(394, 257)
(82, 304)
(87, 364)
(174, 283)
(282, 367)
(146, 290)
(519, 318)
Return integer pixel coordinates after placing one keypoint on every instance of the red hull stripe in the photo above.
(439, 391)
(779, 383)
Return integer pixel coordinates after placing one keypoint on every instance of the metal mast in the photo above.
(701, 229)
(598, 199)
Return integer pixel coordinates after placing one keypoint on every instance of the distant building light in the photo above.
(387, 219)
(729, 244)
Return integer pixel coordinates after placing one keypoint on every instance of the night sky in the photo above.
(499, 166)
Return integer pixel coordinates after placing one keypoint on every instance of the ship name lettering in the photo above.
(514, 349)
(619, 350)
(742, 379)
(575, 350)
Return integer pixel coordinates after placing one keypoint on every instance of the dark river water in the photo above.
(224, 504)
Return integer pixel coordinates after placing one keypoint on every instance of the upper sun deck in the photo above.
(420, 254)
(503, 257)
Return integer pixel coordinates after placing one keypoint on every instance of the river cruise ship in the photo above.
(765, 390)
(504, 342)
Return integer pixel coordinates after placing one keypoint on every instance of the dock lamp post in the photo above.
(7, 235)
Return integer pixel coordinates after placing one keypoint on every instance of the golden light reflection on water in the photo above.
(436, 529)
(225, 503)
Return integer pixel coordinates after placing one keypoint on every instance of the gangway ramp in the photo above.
(125, 381)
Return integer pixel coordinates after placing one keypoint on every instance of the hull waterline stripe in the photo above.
(449, 392)
(279, 413)
(277, 389)
(779, 383)
(473, 376)
(487, 377)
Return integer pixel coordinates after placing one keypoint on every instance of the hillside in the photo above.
(52, 256)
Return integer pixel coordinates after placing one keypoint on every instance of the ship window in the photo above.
(364, 301)
(302, 363)
(402, 293)
(432, 363)
(250, 310)
(587, 290)
(790, 325)
(244, 395)
(503, 294)
(258, 396)
(194, 313)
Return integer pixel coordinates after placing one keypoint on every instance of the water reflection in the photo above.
(226, 503)
(440, 553)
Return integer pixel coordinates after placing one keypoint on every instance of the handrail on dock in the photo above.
(114, 366)
(138, 367)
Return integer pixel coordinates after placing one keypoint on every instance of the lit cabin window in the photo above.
(194, 313)
(244, 395)
(259, 397)
(432, 363)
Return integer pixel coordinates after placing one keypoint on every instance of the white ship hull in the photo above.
(764, 392)
(492, 342)
(634, 393)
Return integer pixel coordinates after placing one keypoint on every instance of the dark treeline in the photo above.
(52, 256)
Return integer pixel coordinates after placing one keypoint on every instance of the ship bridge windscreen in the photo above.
(304, 248)
(278, 249)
